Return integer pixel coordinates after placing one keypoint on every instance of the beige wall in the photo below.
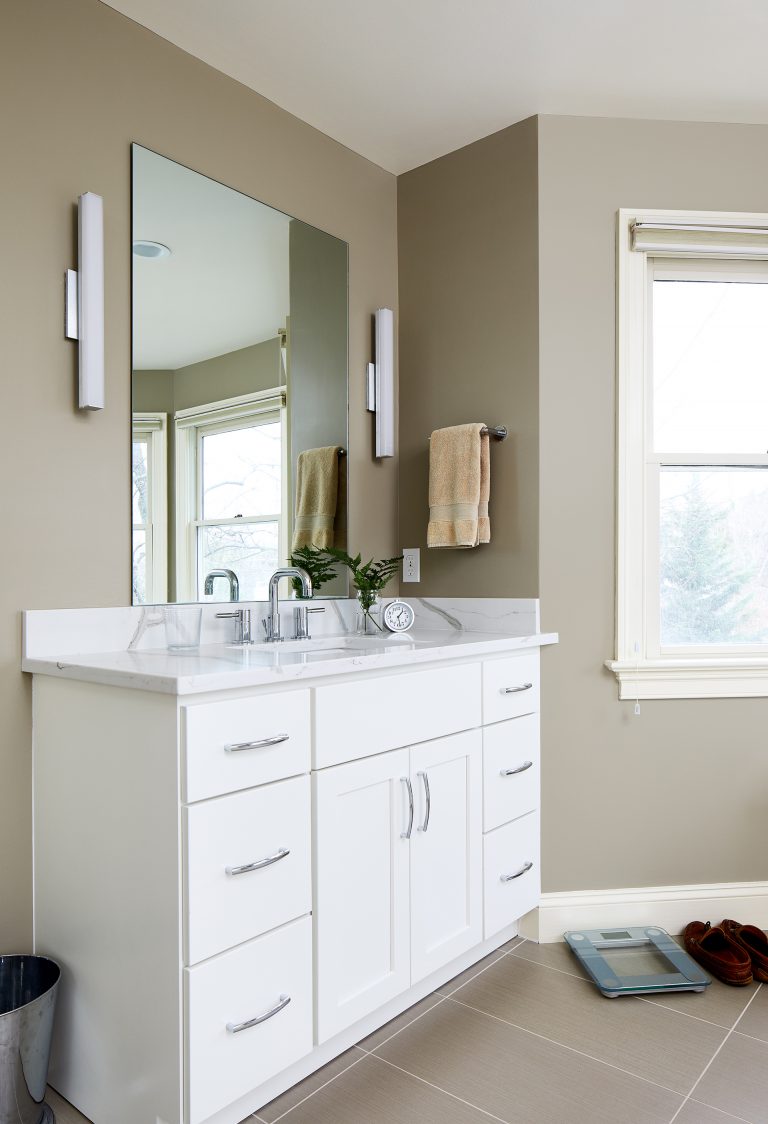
(227, 376)
(467, 227)
(507, 289)
(79, 83)
(679, 794)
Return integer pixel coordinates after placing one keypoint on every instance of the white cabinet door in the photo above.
(446, 851)
(361, 891)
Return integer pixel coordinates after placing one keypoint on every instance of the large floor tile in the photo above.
(644, 1039)
(696, 1113)
(755, 1021)
(399, 1023)
(65, 1113)
(291, 1097)
(518, 1077)
(737, 1080)
(719, 1004)
(375, 1093)
(470, 973)
(557, 955)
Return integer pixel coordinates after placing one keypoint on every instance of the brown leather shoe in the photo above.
(716, 951)
(755, 944)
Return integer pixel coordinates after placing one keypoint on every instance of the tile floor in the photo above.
(523, 1038)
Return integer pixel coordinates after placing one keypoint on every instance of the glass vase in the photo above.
(368, 613)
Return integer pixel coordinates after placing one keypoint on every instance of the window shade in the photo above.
(263, 401)
(700, 241)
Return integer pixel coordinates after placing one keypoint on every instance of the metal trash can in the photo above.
(28, 987)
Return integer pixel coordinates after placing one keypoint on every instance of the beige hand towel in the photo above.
(317, 489)
(459, 487)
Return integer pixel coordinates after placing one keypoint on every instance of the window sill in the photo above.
(736, 678)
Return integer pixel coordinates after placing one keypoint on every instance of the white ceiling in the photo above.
(404, 81)
(225, 285)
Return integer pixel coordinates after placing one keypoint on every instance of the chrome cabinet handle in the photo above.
(283, 853)
(515, 690)
(523, 870)
(520, 769)
(407, 833)
(238, 747)
(428, 799)
(282, 1003)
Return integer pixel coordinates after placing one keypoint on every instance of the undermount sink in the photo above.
(325, 645)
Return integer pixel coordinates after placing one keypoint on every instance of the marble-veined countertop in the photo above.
(218, 667)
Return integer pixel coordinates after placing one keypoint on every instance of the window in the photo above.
(692, 617)
(149, 481)
(230, 516)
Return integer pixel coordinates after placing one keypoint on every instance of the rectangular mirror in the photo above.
(239, 379)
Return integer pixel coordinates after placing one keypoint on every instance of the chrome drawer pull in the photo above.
(428, 798)
(283, 853)
(523, 870)
(407, 833)
(238, 747)
(282, 1003)
(520, 769)
(515, 690)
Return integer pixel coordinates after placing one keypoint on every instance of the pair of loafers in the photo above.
(734, 953)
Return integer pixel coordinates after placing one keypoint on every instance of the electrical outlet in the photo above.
(411, 564)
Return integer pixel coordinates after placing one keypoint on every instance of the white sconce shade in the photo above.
(381, 383)
(85, 301)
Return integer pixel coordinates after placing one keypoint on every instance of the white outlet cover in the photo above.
(411, 564)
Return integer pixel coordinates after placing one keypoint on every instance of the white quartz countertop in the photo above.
(218, 667)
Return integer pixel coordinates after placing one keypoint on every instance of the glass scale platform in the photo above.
(635, 961)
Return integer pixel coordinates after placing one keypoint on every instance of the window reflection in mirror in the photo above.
(239, 366)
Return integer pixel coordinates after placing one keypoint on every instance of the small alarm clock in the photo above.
(398, 616)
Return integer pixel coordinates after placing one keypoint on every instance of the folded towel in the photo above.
(317, 489)
(459, 487)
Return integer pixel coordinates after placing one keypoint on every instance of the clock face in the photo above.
(398, 616)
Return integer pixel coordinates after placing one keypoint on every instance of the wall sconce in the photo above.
(84, 301)
(381, 383)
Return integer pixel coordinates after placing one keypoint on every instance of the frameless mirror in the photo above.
(239, 378)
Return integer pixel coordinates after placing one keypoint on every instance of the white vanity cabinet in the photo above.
(398, 872)
(241, 883)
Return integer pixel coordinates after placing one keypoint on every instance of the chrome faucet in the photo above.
(272, 622)
(230, 575)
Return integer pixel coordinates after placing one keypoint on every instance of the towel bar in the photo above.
(500, 432)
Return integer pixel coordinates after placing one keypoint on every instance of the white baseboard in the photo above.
(669, 907)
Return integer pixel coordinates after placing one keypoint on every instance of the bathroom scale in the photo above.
(635, 961)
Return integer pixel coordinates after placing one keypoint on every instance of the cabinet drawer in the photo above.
(269, 826)
(245, 742)
(510, 686)
(511, 776)
(507, 852)
(354, 720)
(247, 983)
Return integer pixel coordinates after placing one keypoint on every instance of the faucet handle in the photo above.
(242, 619)
(301, 621)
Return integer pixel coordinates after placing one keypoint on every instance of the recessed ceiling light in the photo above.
(144, 249)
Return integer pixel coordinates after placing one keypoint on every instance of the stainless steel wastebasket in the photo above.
(27, 1000)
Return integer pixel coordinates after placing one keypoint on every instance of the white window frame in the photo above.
(643, 670)
(190, 427)
(154, 427)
